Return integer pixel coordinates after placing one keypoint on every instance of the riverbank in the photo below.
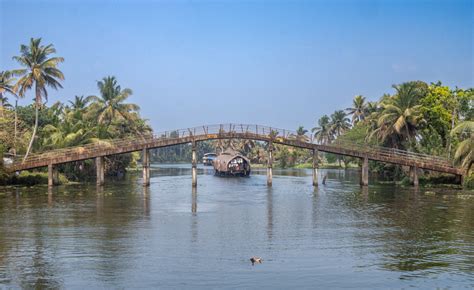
(30, 178)
(444, 181)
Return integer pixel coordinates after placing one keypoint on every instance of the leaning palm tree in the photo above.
(358, 109)
(110, 106)
(322, 133)
(40, 71)
(339, 123)
(400, 116)
(465, 151)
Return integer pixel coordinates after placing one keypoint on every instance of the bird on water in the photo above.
(257, 260)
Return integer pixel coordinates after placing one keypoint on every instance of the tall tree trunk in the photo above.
(37, 104)
(1, 105)
(16, 120)
(33, 135)
(449, 136)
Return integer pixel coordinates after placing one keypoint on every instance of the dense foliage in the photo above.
(38, 127)
(428, 118)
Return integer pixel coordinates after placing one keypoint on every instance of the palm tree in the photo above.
(358, 110)
(3, 104)
(41, 72)
(322, 133)
(110, 105)
(400, 116)
(6, 86)
(339, 123)
(246, 145)
(371, 107)
(464, 153)
(80, 103)
(301, 134)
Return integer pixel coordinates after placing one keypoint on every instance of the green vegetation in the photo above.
(37, 127)
(426, 118)
(431, 119)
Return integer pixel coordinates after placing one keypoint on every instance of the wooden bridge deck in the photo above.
(232, 131)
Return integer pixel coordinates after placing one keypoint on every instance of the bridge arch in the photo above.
(233, 131)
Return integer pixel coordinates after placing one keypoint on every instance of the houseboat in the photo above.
(232, 163)
(208, 158)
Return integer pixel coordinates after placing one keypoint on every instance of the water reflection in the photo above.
(194, 200)
(146, 201)
(124, 235)
(270, 213)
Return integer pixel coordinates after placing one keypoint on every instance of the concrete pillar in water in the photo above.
(146, 167)
(99, 167)
(414, 175)
(364, 172)
(194, 165)
(270, 164)
(461, 179)
(50, 175)
(315, 167)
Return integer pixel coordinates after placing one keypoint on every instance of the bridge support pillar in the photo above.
(270, 164)
(461, 179)
(315, 167)
(50, 175)
(194, 165)
(146, 167)
(414, 175)
(99, 167)
(364, 172)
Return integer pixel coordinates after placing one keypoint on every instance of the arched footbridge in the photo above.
(232, 131)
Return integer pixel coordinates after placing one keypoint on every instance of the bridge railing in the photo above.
(393, 152)
(265, 132)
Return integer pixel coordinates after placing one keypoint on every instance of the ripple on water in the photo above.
(334, 236)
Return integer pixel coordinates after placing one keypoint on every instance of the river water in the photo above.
(169, 236)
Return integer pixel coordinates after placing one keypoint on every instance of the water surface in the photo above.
(338, 235)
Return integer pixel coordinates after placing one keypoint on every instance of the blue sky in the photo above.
(277, 63)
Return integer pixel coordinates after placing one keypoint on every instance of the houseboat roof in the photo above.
(227, 156)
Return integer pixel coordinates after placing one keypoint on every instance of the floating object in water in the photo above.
(231, 163)
(257, 260)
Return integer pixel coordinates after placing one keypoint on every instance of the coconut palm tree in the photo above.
(301, 134)
(400, 116)
(322, 133)
(40, 71)
(246, 145)
(358, 110)
(80, 102)
(7, 81)
(110, 106)
(465, 151)
(339, 123)
(6, 86)
(371, 107)
(3, 104)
